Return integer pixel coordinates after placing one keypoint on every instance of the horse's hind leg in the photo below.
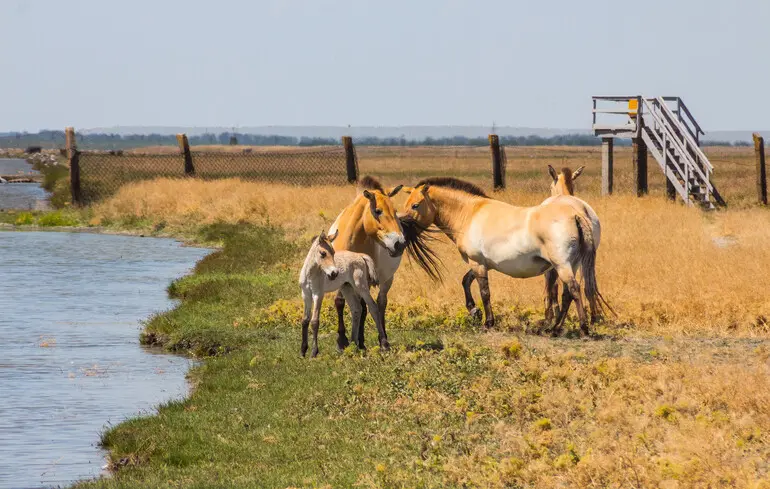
(571, 287)
(470, 304)
(566, 301)
(551, 296)
(339, 304)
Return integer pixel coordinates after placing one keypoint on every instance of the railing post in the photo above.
(759, 153)
(497, 162)
(640, 165)
(73, 155)
(350, 159)
(184, 147)
(607, 166)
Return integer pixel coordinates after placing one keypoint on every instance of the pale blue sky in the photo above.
(534, 63)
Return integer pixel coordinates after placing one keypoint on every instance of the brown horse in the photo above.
(370, 225)
(561, 233)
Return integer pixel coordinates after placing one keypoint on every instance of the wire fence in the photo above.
(101, 174)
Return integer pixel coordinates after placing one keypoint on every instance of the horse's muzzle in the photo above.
(333, 275)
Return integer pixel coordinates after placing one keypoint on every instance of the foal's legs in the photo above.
(470, 304)
(305, 320)
(317, 301)
(342, 339)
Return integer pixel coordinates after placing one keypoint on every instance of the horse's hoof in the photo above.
(384, 345)
(314, 354)
(475, 313)
(556, 333)
(342, 344)
(489, 325)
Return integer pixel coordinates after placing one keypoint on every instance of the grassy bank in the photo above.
(673, 393)
(448, 407)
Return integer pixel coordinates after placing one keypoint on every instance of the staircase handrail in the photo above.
(696, 149)
(666, 124)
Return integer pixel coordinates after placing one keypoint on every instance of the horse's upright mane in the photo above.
(453, 183)
(370, 183)
(567, 173)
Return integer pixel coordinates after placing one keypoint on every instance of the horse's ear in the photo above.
(424, 189)
(552, 172)
(322, 236)
(406, 189)
(395, 190)
(332, 237)
(577, 172)
(368, 195)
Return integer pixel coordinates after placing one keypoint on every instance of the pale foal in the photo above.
(327, 271)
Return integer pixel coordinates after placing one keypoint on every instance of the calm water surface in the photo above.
(27, 196)
(70, 365)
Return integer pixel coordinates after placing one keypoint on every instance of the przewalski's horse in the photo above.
(369, 225)
(561, 233)
(562, 184)
(325, 271)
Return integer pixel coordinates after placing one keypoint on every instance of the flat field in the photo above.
(673, 392)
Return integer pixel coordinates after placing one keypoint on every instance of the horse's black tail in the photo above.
(588, 265)
(418, 239)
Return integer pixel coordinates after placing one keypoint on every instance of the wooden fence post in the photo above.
(640, 167)
(759, 152)
(73, 155)
(497, 162)
(607, 166)
(184, 147)
(350, 159)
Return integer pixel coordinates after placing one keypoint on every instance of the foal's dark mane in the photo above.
(453, 183)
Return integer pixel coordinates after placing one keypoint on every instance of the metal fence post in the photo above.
(640, 165)
(497, 162)
(184, 147)
(759, 152)
(350, 159)
(73, 155)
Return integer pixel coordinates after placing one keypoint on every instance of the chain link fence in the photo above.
(102, 174)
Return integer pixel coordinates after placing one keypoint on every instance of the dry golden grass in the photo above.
(676, 396)
(666, 269)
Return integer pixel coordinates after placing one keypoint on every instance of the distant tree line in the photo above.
(55, 139)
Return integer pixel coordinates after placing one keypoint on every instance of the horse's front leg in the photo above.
(480, 271)
(375, 309)
(382, 304)
(339, 304)
(305, 319)
(470, 304)
(314, 320)
(357, 313)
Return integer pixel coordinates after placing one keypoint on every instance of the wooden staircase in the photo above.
(671, 136)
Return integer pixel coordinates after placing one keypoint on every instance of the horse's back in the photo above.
(564, 209)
